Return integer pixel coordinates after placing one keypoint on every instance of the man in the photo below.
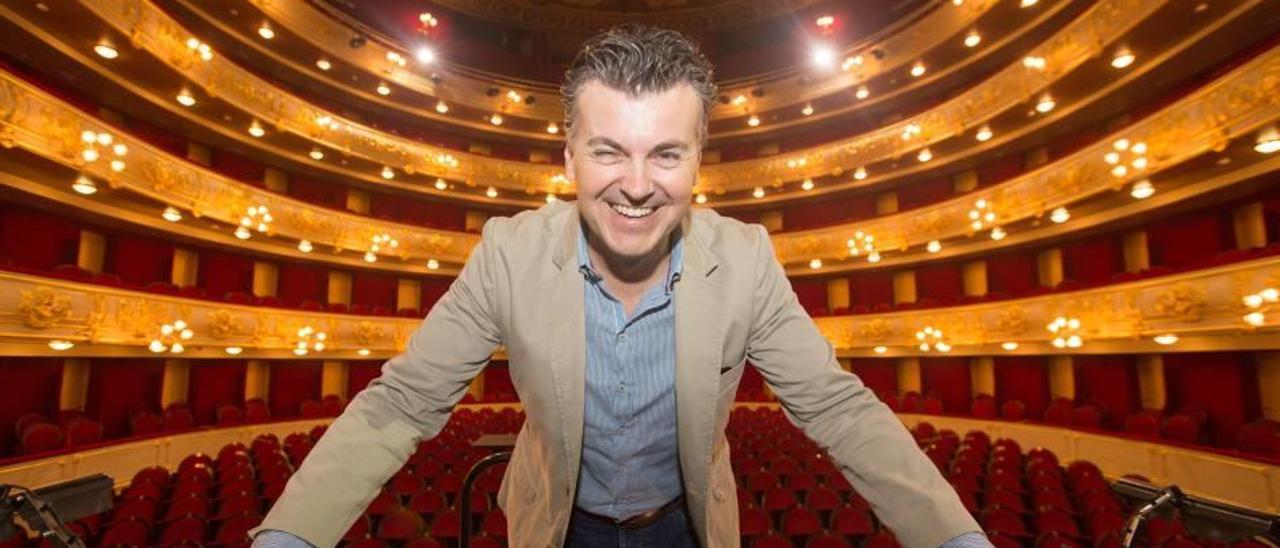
(628, 321)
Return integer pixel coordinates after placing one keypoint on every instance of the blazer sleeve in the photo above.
(834, 408)
(410, 401)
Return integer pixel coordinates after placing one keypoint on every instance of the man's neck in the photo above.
(628, 279)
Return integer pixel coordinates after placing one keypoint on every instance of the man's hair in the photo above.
(638, 59)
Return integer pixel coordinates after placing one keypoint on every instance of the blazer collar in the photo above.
(698, 259)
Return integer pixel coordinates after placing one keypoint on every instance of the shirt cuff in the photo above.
(272, 538)
(971, 539)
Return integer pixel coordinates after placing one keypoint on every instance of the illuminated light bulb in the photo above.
(1268, 140)
(1139, 163)
(862, 93)
(90, 155)
(1255, 319)
(972, 39)
(815, 264)
(301, 351)
(918, 69)
(880, 349)
(171, 214)
(370, 257)
(363, 352)
(424, 55)
(117, 165)
(106, 50)
(1166, 339)
(433, 264)
(514, 96)
(492, 192)
(860, 173)
(1123, 58)
(807, 110)
(442, 107)
(984, 133)
(441, 184)
(998, 233)
(324, 120)
(157, 346)
(850, 62)
(758, 192)
(701, 199)
(60, 345)
(552, 128)
(185, 98)
(316, 154)
(120, 149)
(1060, 215)
(255, 129)
(1119, 171)
(1029, 3)
(551, 198)
(823, 56)
(807, 184)
(323, 64)
(495, 119)
(739, 100)
(266, 32)
(388, 173)
(924, 155)
(233, 350)
(1074, 341)
(1034, 62)
(1010, 346)
(934, 246)
(243, 233)
(84, 185)
(1112, 158)
(304, 246)
(1270, 294)
(753, 121)
(873, 257)
(383, 89)
(1045, 104)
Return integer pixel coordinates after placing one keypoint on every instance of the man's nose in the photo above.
(637, 186)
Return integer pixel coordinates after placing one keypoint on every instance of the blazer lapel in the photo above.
(699, 347)
(569, 351)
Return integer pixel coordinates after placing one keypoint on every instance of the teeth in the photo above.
(632, 212)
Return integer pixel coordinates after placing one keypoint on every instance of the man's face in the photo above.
(634, 160)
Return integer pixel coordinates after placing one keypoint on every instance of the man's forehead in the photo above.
(601, 106)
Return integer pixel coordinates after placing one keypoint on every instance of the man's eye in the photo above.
(604, 154)
(669, 158)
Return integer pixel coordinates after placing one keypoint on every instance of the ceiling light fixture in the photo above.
(105, 50)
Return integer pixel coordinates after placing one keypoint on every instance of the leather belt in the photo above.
(637, 521)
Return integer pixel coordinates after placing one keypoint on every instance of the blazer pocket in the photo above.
(729, 376)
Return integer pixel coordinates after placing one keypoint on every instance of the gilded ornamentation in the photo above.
(876, 330)
(368, 334)
(43, 307)
(223, 323)
(1011, 320)
(1182, 301)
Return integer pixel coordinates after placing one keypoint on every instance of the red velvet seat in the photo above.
(821, 498)
(228, 415)
(178, 418)
(779, 499)
(41, 437)
(773, 540)
(851, 521)
(1057, 522)
(1013, 410)
(1143, 423)
(127, 533)
(827, 540)
(495, 524)
(236, 528)
(1000, 520)
(983, 407)
(401, 524)
(359, 529)
(311, 409)
(1181, 428)
(753, 522)
(83, 431)
(184, 530)
(1261, 437)
(447, 525)
(801, 521)
(931, 406)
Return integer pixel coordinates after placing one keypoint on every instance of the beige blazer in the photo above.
(521, 287)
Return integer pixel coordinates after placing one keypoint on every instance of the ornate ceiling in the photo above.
(548, 32)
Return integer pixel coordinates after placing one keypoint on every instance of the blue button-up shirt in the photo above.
(630, 461)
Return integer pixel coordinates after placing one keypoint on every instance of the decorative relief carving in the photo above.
(1183, 301)
(223, 323)
(43, 307)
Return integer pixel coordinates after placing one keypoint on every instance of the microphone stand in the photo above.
(38, 514)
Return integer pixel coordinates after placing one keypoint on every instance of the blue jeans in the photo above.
(672, 530)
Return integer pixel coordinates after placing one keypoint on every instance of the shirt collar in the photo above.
(674, 265)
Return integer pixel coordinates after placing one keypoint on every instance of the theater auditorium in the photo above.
(1044, 233)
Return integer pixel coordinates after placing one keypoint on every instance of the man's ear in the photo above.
(568, 162)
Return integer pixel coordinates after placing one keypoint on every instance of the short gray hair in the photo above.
(639, 59)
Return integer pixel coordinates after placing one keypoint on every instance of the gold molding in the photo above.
(1203, 308)
(1093, 30)
(1117, 318)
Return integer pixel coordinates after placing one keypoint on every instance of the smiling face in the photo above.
(634, 160)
